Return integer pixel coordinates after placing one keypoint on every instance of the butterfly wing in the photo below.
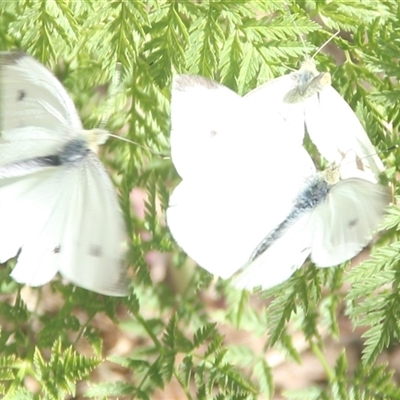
(32, 96)
(339, 136)
(280, 260)
(64, 219)
(269, 100)
(37, 117)
(92, 248)
(26, 205)
(200, 113)
(343, 225)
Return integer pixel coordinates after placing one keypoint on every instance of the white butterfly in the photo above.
(58, 209)
(251, 201)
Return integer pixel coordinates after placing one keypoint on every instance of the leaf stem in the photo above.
(318, 353)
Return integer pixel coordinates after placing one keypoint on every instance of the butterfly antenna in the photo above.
(163, 156)
(325, 43)
(113, 91)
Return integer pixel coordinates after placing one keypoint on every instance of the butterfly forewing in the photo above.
(33, 96)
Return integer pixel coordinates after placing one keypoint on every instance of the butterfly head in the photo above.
(95, 138)
(331, 174)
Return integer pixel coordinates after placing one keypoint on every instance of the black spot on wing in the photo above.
(95, 251)
(352, 222)
(21, 95)
(57, 250)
